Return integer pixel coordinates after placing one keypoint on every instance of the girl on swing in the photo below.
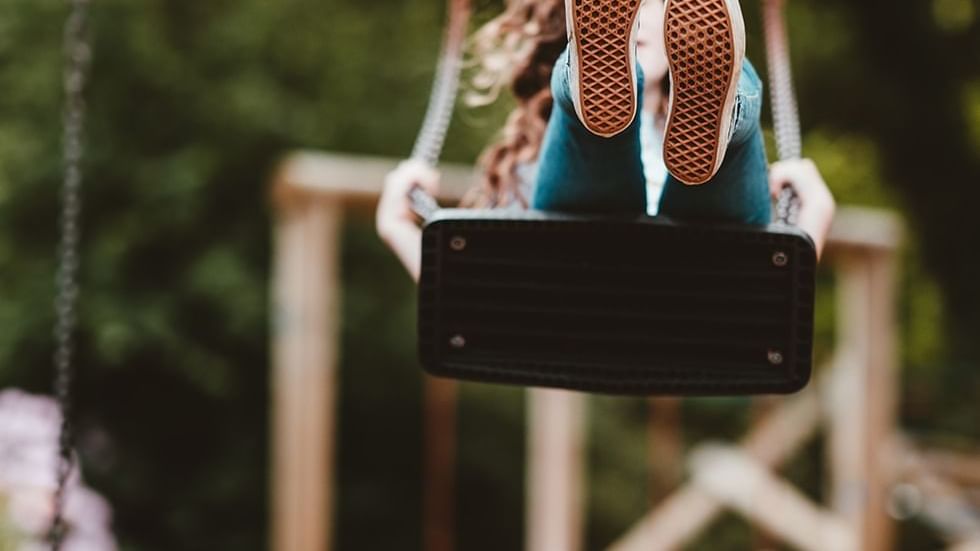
(600, 128)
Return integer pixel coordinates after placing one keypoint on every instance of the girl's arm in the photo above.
(396, 223)
(816, 202)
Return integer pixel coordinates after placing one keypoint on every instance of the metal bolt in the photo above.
(779, 258)
(775, 357)
(457, 341)
(457, 243)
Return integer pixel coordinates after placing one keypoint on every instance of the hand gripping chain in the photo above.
(785, 113)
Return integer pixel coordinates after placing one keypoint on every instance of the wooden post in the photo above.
(555, 448)
(761, 407)
(844, 392)
(439, 460)
(881, 401)
(305, 354)
(666, 447)
(309, 193)
(862, 409)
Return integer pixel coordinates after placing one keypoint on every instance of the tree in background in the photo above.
(907, 81)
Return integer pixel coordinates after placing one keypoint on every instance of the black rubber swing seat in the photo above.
(614, 305)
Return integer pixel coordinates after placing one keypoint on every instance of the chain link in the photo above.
(77, 58)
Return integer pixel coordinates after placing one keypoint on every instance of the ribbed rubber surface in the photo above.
(700, 44)
(602, 30)
(616, 306)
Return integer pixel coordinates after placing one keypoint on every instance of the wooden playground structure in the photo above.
(852, 398)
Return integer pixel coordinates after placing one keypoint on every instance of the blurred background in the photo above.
(191, 106)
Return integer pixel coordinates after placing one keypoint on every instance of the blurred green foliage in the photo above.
(191, 105)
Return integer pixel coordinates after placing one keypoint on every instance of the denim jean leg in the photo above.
(583, 173)
(739, 192)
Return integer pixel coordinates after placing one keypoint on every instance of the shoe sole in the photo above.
(606, 64)
(704, 56)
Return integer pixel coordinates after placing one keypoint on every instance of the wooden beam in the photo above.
(687, 511)
(305, 334)
(360, 178)
(355, 178)
(944, 504)
(555, 448)
(865, 229)
(732, 477)
(973, 545)
(964, 468)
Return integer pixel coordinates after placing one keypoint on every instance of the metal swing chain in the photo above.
(785, 112)
(440, 408)
(77, 57)
(442, 101)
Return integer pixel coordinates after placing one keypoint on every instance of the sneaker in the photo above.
(705, 45)
(602, 58)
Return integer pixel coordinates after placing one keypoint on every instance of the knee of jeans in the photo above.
(560, 90)
(748, 104)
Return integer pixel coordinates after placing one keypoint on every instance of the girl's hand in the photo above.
(395, 207)
(396, 222)
(817, 204)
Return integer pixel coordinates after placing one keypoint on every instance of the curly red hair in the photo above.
(518, 48)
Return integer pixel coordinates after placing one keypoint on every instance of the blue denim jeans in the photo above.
(580, 172)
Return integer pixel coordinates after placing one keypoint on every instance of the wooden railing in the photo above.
(853, 396)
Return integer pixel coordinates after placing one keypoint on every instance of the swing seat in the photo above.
(616, 305)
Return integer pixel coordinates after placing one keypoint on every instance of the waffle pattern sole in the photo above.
(700, 45)
(605, 63)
